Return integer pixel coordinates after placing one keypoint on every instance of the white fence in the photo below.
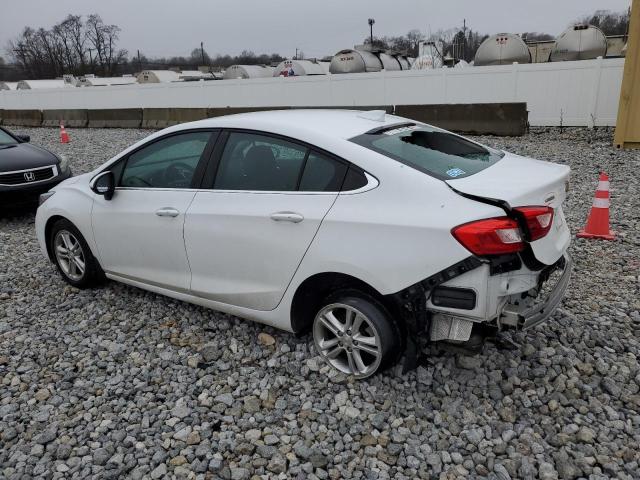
(583, 93)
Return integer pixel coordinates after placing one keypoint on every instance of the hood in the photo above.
(24, 156)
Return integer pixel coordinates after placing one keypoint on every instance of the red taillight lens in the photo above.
(539, 220)
(492, 236)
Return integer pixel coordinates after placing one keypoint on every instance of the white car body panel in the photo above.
(391, 236)
(240, 255)
(133, 241)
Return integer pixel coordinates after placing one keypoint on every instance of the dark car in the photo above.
(26, 170)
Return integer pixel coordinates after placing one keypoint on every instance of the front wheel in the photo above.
(354, 335)
(72, 255)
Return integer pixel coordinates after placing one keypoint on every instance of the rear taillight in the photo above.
(491, 236)
(538, 220)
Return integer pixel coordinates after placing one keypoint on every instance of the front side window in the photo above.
(435, 152)
(167, 163)
(260, 163)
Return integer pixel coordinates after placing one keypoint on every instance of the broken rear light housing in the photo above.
(538, 219)
(490, 236)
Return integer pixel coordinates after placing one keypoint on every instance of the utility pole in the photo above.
(296, 57)
(464, 38)
(202, 51)
(371, 22)
(139, 63)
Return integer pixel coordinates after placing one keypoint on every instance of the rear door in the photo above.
(248, 228)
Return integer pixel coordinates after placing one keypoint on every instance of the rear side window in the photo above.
(259, 163)
(435, 152)
(322, 174)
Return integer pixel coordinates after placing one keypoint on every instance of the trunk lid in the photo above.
(519, 182)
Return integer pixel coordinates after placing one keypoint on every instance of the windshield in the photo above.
(435, 152)
(6, 139)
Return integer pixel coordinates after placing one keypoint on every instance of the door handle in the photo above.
(167, 212)
(292, 217)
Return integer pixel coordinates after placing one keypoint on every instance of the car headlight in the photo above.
(64, 163)
(44, 197)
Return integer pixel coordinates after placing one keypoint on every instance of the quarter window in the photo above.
(322, 174)
(259, 163)
(167, 163)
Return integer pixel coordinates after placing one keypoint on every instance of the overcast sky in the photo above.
(320, 27)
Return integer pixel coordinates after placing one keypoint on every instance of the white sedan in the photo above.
(374, 232)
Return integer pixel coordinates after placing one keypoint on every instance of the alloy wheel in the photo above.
(69, 255)
(348, 340)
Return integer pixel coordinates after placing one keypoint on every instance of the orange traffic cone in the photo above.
(64, 136)
(598, 221)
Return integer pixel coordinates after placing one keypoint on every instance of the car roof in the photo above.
(304, 124)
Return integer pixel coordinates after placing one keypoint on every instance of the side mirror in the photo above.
(104, 184)
(23, 138)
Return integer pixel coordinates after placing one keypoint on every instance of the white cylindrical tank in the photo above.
(355, 61)
(404, 62)
(93, 81)
(36, 84)
(8, 85)
(158, 76)
(194, 75)
(389, 62)
(297, 68)
(580, 42)
(502, 49)
(247, 71)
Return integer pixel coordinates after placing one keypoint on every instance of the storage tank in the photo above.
(93, 81)
(580, 42)
(247, 71)
(355, 61)
(158, 76)
(297, 68)
(405, 63)
(8, 85)
(389, 62)
(502, 49)
(36, 84)
(194, 75)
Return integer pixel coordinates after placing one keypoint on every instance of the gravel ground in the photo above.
(118, 382)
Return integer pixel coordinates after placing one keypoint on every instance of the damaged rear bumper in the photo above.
(526, 315)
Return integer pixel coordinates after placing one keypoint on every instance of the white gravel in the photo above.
(117, 382)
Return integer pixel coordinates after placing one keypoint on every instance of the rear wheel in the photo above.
(354, 335)
(72, 255)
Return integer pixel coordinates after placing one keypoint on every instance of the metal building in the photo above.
(502, 49)
(297, 68)
(247, 71)
(427, 62)
(158, 76)
(580, 42)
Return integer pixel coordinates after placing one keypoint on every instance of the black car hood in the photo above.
(24, 156)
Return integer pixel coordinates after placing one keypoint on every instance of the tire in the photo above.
(70, 252)
(340, 328)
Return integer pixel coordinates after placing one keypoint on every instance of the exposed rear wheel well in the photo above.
(314, 290)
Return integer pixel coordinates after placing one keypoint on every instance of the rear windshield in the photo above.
(435, 152)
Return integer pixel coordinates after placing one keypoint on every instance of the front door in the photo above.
(139, 232)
